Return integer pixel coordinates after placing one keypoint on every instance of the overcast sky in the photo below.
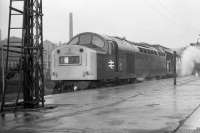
(172, 23)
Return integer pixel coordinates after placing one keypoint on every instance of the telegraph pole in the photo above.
(174, 60)
(33, 76)
(198, 39)
(2, 69)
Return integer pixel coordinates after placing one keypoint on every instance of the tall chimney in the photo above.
(70, 25)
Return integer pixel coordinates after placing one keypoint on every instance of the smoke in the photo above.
(189, 58)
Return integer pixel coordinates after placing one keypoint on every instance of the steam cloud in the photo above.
(189, 57)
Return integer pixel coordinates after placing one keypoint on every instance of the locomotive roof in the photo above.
(122, 44)
(165, 49)
(144, 45)
(129, 45)
(141, 45)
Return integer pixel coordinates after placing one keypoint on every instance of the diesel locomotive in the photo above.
(91, 58)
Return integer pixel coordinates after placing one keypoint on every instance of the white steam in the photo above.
(189, 58)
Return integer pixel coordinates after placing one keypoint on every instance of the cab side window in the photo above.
(112, 48)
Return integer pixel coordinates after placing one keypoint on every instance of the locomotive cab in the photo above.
(77, 60)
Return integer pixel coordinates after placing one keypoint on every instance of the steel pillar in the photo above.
(33, 78)
(31, 50)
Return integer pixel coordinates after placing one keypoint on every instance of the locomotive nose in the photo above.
(70, 56)
(74, 63)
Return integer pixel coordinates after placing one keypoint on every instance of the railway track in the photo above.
(180, 81)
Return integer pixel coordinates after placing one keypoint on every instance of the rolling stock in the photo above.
(91, 57)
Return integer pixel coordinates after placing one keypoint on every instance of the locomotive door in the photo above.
(114, 54)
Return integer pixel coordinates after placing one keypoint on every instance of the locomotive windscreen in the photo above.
(85, 39)
(69, 60)
(88, 39)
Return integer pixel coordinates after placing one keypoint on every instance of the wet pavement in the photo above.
(149, 107)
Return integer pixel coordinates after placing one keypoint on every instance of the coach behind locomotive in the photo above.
(90, 57)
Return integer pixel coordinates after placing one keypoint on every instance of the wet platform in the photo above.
(154, 106)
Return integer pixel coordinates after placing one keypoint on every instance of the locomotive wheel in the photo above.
(81, 85)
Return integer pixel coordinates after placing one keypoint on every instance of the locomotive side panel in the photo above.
(106, 67)
(163, 66)
(141, 70)
(169, 63)
(149, 65)
(158, 66)
(125, 62)
(131, 63)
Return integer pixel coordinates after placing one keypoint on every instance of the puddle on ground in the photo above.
(152, 105)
